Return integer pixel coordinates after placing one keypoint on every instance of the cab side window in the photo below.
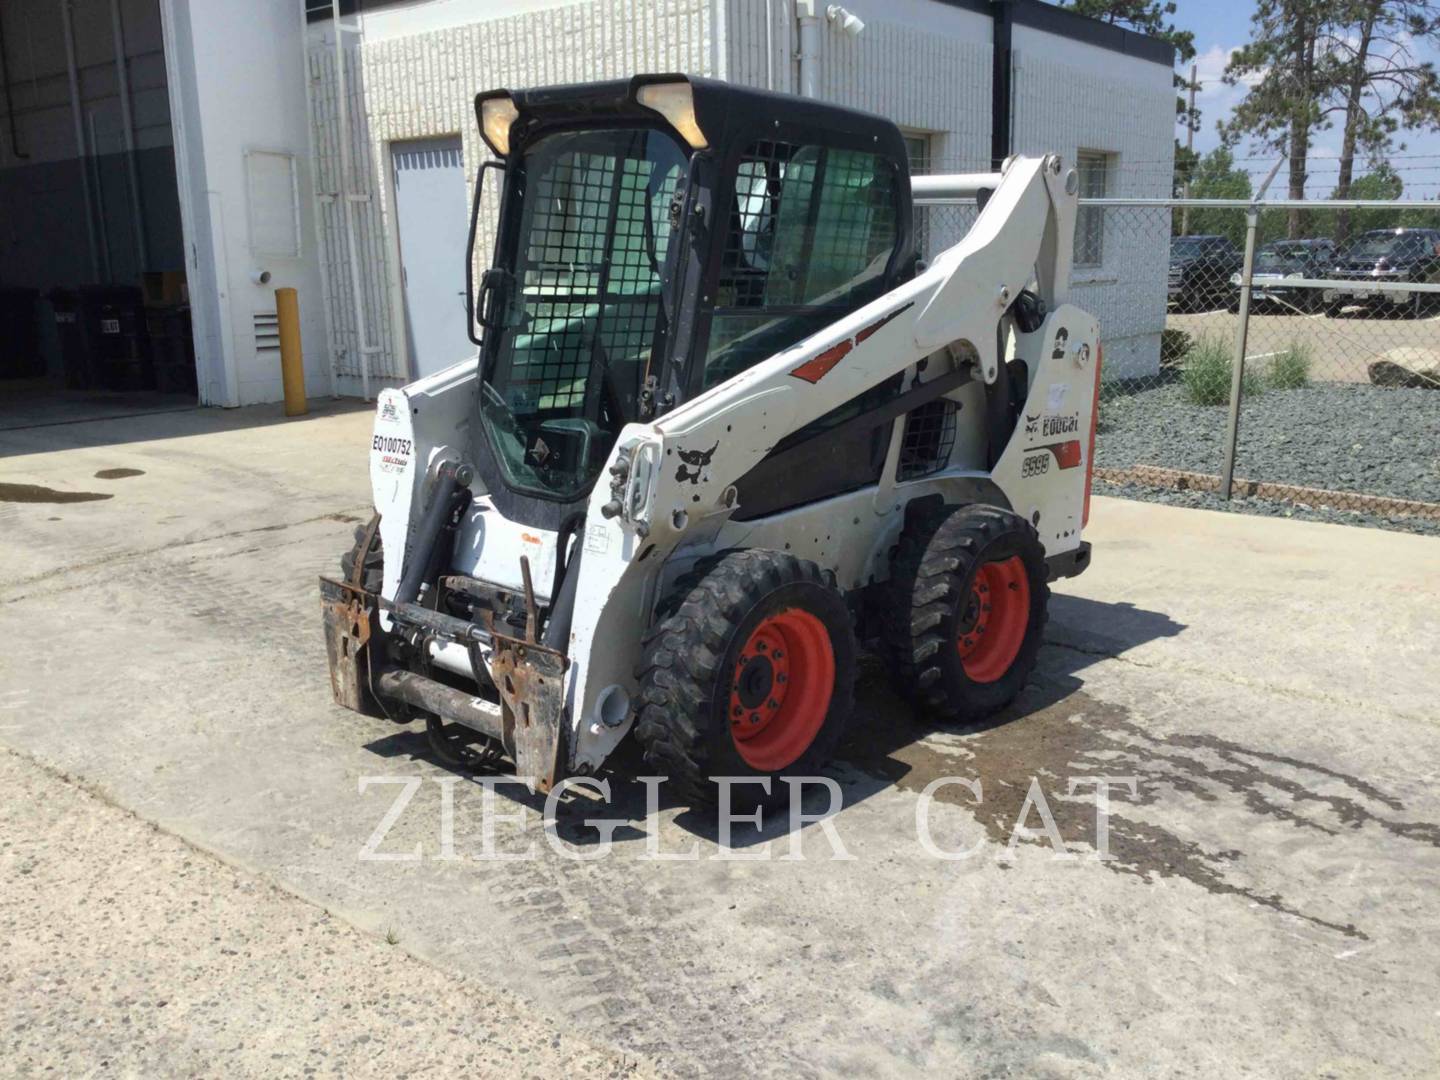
(809, 238)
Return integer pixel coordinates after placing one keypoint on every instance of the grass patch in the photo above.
(1291, 369)
(1207, 374)
(1174, 344)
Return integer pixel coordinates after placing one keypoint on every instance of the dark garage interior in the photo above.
(93, 303)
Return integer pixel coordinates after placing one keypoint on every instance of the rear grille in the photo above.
(928, 439)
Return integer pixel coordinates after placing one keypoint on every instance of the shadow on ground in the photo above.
(37, 416)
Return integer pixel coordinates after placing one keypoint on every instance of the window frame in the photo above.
(1090, 220)
(927, 140)
(829, 142)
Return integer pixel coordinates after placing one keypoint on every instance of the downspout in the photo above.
(808, 26)
(347, 199)
(769, 55)
(127, 118)
(77, 114)
(315, 204)
(1002, 14)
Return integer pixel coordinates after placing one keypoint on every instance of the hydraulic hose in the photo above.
(452, 476)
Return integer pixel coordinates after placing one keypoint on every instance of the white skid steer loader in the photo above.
(722, 424)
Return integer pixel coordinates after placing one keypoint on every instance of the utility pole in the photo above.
(1189, 150)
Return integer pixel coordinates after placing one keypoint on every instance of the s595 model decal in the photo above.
(1067, 456)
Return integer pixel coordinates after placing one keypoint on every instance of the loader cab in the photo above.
(656, 237)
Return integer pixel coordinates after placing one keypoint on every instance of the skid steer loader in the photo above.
(724, 423)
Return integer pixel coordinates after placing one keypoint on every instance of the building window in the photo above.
(918, 150)
(1095, 168)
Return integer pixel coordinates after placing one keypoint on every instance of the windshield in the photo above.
(1281, 257)
(1386, 244)
(1189, 247)
(568, 365)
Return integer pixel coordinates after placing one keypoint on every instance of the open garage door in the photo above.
(93, 298)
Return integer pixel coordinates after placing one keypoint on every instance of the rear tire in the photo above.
(751, 674)
(967, 612)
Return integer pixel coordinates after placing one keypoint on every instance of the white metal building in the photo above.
(360, 199)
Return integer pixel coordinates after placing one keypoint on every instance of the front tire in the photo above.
(372, 574)
(751, 674)
(968, 605)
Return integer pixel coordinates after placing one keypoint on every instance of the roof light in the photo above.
(496, 116)
(676, 102)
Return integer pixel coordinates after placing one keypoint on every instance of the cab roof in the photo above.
(723, 111)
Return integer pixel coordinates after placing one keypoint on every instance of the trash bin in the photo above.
(19, 334)
(70, 333)
(172, 348)
(113, 320)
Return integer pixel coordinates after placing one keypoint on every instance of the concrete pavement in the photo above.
(1268, 685)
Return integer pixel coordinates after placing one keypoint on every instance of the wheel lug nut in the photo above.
(754, 718)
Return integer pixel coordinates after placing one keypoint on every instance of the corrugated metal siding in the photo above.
(425, 85)
(924, 81)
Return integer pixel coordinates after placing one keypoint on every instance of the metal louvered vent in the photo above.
(928, 439)
(267, 332)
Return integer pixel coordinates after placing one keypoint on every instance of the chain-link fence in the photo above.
(1338, 409)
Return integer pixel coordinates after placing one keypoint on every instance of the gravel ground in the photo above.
(124, 950)
(1343, 438)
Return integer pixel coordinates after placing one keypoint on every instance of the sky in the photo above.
(1220, 26)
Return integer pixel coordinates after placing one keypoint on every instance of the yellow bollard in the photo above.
(292, 362)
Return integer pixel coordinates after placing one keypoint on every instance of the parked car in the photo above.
(1200, 269)
(1281, 260)
(1389, 256)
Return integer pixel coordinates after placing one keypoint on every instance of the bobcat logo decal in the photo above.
(694, 463)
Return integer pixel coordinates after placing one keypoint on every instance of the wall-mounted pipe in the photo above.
(808, 26)
(77, 113)
(1002, 14)
(769, 46)
(314, 165)
(105, 264)
(20, 155)
(347, 198)
(127, 120)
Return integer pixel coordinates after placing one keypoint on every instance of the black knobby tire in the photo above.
(696, 670)
(945, 555)
(373, 573)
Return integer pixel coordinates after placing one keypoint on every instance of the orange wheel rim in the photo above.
(993, 619)
(780, 689)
